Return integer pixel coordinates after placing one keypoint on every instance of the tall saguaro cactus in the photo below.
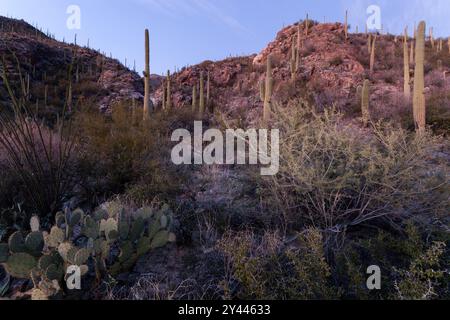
(293, 58)
(372, 54)
(307, 25)
(208, 89)
(346, 25)
(419, 83)
(202, 95)
(194, 98)
(406, 79)
(365, 98)
(268, 91)
(147, 101)
(169, 92)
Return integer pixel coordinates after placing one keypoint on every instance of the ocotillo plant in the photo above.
(147, 101)
(268, 91)
(406, 87)
(365, 98)
(169, 92)
(372, 54)
(202, 95)
(194, 98)
(419, 83)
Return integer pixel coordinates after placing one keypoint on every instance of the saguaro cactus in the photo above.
(268, 91)
(411, 55)
(307, 25)
(372, 54)
(365, 98)
(147, 101)
(208, 89)
(169, 92)
(293, 59)
(406, 79)
(164, 96)
(262, 90)
(194, 98)
(346, 25)
(419, 83)
(369, 43)
(202, 95)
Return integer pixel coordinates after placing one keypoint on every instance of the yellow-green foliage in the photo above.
(267, 269)
(330, 171)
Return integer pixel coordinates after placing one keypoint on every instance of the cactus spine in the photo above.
(147, 102)
(268, 91)
(169, 92)
(406, 87)
(372, 54)
(365, 96)
(202, 95)
(419, 83)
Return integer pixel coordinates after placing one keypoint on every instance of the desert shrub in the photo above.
(122, 153)
(266, 268)
(335, 176)
(413, 263)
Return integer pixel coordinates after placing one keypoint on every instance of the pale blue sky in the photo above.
(186, 32)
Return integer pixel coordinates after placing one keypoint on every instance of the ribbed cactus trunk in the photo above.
(406, 78)
(202, 95)
(262, 90)
(293, 61)
(169, 92)
(419, 83)
(365, 98)
(299, 47)
(372, 54)
(164, 97)
(307, 25)
(369, 43)
(208, 89)
(147, 102)
(194, 98)
(268, 91)
(411, 55)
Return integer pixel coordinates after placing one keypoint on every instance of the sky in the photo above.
(187, 32)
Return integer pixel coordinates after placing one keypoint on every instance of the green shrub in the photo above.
(335, 177)
(266, 268)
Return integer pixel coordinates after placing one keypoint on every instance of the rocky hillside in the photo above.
(46, 61)
(330, 71)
